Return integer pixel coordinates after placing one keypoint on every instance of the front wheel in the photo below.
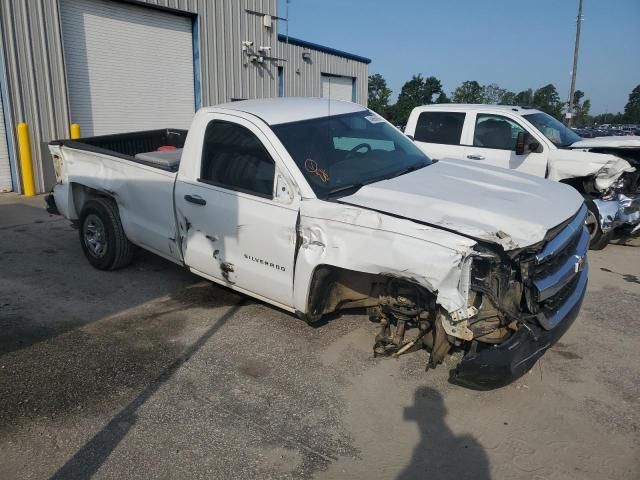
(597, 238)
(102, 237)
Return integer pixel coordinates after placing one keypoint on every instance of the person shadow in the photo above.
(440, 454)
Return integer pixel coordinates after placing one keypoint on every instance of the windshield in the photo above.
(341, 153)
(556, 131)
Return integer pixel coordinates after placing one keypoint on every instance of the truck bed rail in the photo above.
(128, 145)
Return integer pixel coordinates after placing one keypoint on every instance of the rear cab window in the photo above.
(440, 127)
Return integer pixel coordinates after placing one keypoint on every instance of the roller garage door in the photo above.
(5, 170)
(128, 67)
(337, 87)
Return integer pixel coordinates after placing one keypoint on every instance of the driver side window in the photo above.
(234, 158)
(496, 131)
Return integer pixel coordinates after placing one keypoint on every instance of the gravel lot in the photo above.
(150, 372)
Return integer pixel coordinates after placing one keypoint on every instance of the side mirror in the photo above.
(525, 142)
(534, 146)
(520, 145)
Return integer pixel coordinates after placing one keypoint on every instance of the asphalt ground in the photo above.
(151, 372)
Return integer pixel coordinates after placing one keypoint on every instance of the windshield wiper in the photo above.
(410, 169)
(344, 190)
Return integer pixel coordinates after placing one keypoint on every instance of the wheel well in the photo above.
(81, 194)
(333, 288)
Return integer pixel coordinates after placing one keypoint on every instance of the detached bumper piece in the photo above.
(51, 206)
(559, 281)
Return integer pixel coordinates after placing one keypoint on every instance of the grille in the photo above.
(559, 272)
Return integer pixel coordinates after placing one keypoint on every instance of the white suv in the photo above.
(532, 142)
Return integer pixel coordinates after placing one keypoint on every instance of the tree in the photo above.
(442, 98)
(609, 118)
(492, 94)
(577, 97)
(524, 98)
(547, 99)
(509, 98)
(417, 91)
(379, 94)
(582, 117)
(469, 92)
(632, 108)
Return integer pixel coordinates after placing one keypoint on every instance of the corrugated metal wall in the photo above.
(36, 75)
(302, 77)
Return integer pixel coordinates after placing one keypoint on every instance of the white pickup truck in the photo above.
(606, 171)
(316, 206)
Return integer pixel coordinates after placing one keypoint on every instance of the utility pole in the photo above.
(575, 66)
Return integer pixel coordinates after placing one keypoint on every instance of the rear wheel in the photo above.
(102, 237)
(597, 238)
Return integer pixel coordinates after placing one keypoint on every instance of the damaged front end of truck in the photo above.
(502, 308)
(529, 298)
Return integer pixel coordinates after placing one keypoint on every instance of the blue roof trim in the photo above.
(322, 48)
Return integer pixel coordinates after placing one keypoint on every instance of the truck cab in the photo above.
(527, 140)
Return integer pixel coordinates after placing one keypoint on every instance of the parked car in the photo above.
(315, 212)
(530, 141)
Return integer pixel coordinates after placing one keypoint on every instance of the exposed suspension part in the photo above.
(404, 306)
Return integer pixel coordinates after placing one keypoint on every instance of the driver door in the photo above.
(237, 213)
(494, 143)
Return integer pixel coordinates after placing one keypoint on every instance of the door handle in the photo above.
(475, 157)
(195, 199)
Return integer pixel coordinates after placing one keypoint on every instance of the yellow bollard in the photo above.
(75, 131)
(24, 145)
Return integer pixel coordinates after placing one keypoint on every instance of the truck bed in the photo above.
(143, 190)
(128, 145)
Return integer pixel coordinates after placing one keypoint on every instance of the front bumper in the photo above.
(501, 364)
(621, 210)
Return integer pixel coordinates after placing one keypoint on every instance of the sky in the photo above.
(517, 44)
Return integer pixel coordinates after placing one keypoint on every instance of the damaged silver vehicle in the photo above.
(617, 200)
(316, 206)
(606, 171)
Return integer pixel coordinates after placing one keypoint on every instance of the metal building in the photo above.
(119, 65)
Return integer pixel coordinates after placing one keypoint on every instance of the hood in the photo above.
(488, 203)
(605, 167)
(608, 142)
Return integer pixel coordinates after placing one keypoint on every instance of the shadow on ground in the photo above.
(440, 454)
(94, 366)
(88, 459)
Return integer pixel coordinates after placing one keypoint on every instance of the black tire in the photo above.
(102, 237)
(597, 239)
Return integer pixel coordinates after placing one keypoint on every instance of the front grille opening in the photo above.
(552, 264)
(552, 304)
